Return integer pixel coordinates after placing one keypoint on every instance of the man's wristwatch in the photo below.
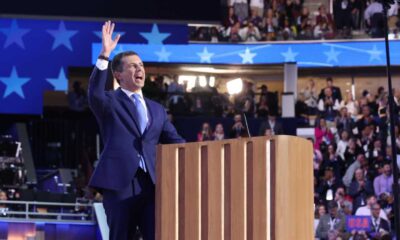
(104, 57)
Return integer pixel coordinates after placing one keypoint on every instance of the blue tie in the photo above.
(141, 114)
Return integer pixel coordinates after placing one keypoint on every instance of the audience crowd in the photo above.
(270, 20)
(352, 155)
(352, 159)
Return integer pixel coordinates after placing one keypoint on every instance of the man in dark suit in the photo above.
(332, 225)
(336, 93)
(379, 226)
(271, 124)
(131, 126)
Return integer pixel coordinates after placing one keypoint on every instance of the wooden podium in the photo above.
(251, 188)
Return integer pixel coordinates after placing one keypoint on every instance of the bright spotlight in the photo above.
(234, 86)
(202, 81)
(211, 81)
(191, 81)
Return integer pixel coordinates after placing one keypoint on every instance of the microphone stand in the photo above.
(386, 5)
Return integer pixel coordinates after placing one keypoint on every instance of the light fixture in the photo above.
(234, 86)
(190, 79)
(202, 81)
(211, 81)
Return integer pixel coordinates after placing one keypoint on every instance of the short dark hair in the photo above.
(116, 64)
(329, 79)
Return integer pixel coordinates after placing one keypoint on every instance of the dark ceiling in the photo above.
(199, 10)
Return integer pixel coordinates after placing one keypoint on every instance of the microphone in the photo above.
(246, 124)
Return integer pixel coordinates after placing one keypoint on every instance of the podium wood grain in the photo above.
(235, 189)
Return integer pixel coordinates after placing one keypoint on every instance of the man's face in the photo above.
(132, 75)
(387, 170)
(359, 174)
(371, 201)
(238, 118)
(333, 212)
(375, 210)
(366, 112)
(329, 83)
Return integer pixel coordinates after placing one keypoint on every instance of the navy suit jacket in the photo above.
(123, 142)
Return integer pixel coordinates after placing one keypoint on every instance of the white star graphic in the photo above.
(163, 55)
(289, 56)
(332, 55)
(205, 56)
(375, 54)
(247, 56)
(155, 37)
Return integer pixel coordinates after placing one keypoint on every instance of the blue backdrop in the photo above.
(36, 54)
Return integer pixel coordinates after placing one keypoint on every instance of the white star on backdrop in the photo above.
(375, 54)
(62, 36)
(14, 34)
(332, 55)
(205, 56)
(60, 83)
(289, 56)
(163, 55)
(14, 83)
(247, 56)
(155, 37)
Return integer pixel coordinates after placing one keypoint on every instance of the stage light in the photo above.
(190, 79)
(211, 81)
(202, 81)
(234, 86)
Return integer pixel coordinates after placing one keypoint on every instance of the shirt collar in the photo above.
(130, 93)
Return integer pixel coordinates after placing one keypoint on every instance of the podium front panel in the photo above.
(235, 189)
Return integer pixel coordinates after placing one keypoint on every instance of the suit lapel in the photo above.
(128, 105)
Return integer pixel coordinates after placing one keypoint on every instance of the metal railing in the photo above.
(82, 213)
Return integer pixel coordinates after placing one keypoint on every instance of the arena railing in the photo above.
(33, 211)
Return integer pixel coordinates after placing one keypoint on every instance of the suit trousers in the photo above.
(131, 208)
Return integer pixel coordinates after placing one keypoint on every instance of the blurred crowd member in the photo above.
(304, 24)
(324, 17)
(271, 123)
(254, 18)
(206, 133)
(331, 225)
(219, 133)
(269, 26)
(262, 107)
(336, 92)
(311, 96)
(250, 33)
(350, 104)
(231, 19)
(384, 182)
(272, 99)
(344, 122)
(360, 188)
(366, 210)
(257, 6)
(322, 133)
(320, 211)
(238, 129)
(342, 144)
(342, 14)
(77, 99)
(328, 105)
(232, 33)
(380, 227)
(373, 15)
(241, 9)
(345, 206)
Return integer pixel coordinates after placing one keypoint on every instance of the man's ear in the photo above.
(117, 76)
